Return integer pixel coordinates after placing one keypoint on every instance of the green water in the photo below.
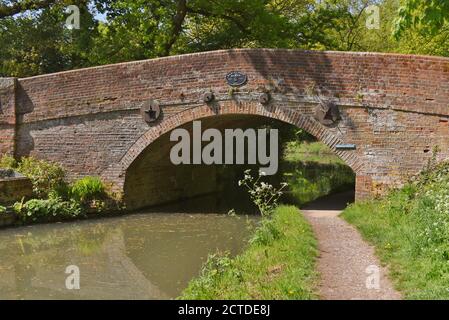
(140, 256)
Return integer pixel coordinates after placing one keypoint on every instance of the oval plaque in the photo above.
(236, 79)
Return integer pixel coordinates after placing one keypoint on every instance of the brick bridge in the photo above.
(393, 108)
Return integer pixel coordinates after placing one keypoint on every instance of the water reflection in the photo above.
(140, 256)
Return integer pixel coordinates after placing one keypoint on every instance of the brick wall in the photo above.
(7, 115)
(395, 108)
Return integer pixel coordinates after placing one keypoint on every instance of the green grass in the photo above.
(410, 230)
(303, 151)
(279, 263)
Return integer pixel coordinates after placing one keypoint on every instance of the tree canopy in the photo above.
(431, 16)
(35, 40)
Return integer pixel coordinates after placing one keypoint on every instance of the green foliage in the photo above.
(44, 175)
(47, 210)
(422, 27)
(410, 229)
(55, 199)
(39, 42)
(215, 267)
(283, 268)
(2, 209)
(125, 30)
(66, 202)
(8, 162)
(88, 189)
(430, 16)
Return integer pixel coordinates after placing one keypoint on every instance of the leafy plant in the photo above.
(44, 175)
(8, 162)
(214, 268)
(49, 209)
(2, 209)
(18, 206)
(88, 189)
(431, 16)
(265, 197)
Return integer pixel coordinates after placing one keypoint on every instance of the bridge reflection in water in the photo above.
(145, 256)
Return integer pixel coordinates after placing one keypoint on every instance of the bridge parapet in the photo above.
(400, 82)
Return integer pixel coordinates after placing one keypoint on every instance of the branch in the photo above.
(222, 16)
(15, 8)
(355, 20)
(178, 21)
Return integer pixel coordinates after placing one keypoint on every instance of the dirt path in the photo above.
(346, 262)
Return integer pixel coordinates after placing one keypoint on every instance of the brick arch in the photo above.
(116, 172)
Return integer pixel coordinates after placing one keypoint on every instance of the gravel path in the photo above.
(347, 264)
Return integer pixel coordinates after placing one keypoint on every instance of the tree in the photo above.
(34, 40)
(9, 8)
(37, 42)
(422, 27)
(430, 16)
(152, 28)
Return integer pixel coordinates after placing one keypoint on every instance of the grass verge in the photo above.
(410, 230)
(279, 263)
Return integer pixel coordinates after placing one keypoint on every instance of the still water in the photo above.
(150, 255)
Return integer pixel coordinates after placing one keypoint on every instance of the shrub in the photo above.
(46, 210)
(45, 176)
(62, 191)
(8, 162)
(88, 189)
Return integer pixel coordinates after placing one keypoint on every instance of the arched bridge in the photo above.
(394, 109)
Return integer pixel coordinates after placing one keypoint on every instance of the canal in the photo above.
(147, 255)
